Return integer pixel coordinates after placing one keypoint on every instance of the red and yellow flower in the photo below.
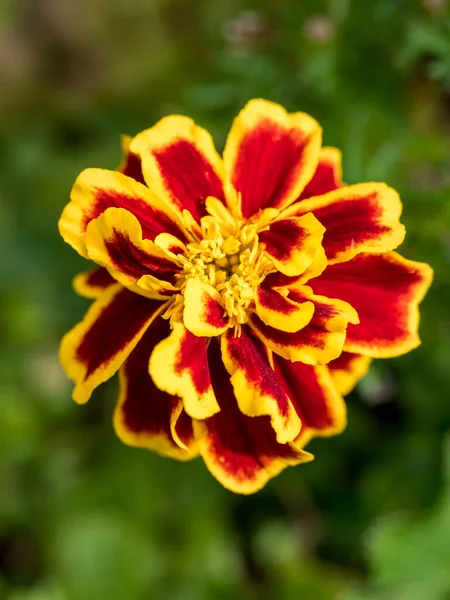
(239, 297)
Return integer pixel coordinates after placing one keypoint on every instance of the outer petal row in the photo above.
(347, 370)
(145, 416)
(121, 329)
(240, 451)
(385, 290)
(96, 190)
(328, 175)
(250, 416)
(361, 218)
(357, 218)
(91, 284)
(309, 389)
(257, 389)
(95, 348)
(315, 397)
(180, 164)
(270, 155)
(131, 165)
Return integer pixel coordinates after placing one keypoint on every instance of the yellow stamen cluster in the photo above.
(229, 259)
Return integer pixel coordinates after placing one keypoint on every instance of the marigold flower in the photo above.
(239, 297)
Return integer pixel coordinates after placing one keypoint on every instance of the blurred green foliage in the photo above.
(83, 517)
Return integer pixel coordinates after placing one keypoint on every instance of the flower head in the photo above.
(239, 297)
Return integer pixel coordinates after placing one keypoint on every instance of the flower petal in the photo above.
(256, 387)
(241, 452)
(131, 165)
(183, 433)
(90, 284)
(114, 240)
(318, 342)
(170, 244)
(357, 218)
(314, 396)
(270, 155)
(332, 312)
(152, 287)
(145, 416)
(328, 175)
(292, 244)
(277, 310)
(203, 314)
(94, 349)
(278, 280)
(347, 369)
(180, 163)
(385, 290)
(95, 190)
(179, 366)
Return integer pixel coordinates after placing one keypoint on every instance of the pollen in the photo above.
(229, 258)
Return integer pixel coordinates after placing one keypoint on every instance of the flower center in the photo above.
(229, 259)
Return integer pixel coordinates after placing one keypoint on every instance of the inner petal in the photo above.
(115, 241)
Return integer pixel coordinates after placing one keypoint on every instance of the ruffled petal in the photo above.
(270, 155)
(114, 240)
(314, 396)
(91, 284)
(145, 416)
(95, 190)
(180, 163)
(179, 366)
(275, 309)
(385, 290)
(357, 218)
(328, 175)
(347, 369)
(94, 349)
(332, 312)
(241, 452)
(203, 314)
(153, 287)
(279, 281)
(256, 387)
(318, 342)
(131, 165)
(172, 245)
(292, 244)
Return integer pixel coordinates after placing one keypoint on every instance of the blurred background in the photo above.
(83, 517)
